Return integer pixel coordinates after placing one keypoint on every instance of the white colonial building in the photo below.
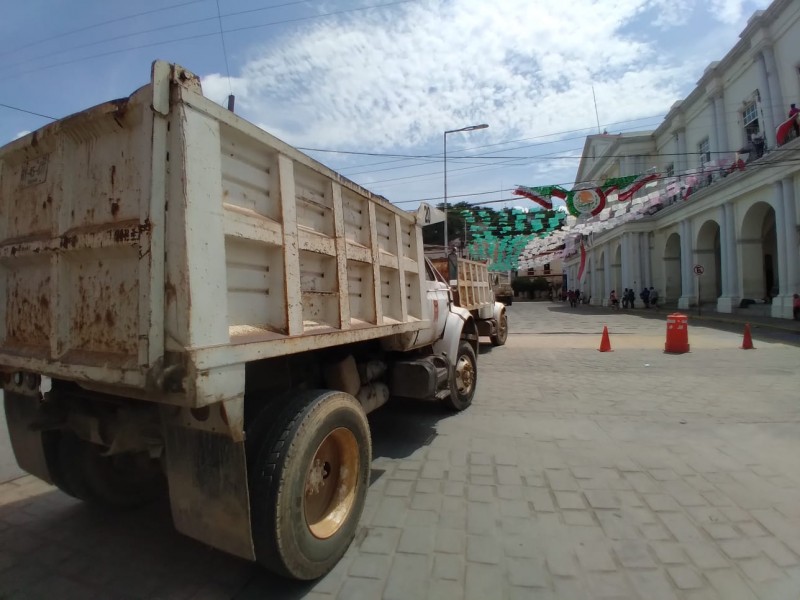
(727, 196)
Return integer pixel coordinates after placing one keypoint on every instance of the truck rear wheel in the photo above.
(308, 483)
(465, 378)
(121, 481)
(499, 338)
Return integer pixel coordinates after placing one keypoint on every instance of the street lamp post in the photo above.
(470, 128)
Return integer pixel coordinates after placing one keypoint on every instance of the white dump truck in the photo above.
(472, 288)
(191, 305)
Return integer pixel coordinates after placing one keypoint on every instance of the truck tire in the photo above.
(122, 481)
(465, 378)
(308, 483)
(501, 336)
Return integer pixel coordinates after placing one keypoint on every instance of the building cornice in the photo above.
(759, 22)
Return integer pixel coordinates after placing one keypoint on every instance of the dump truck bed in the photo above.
(160, 242)
(470, 282)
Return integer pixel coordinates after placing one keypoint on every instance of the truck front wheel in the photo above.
(308, 483)
(499, 338)
(464, 379)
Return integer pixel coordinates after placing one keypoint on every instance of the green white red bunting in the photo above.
(587, 199)
(541, 195)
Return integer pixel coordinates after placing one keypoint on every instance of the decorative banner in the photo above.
(541, 195)
(585, 202)
(626, 192)
(499, 237)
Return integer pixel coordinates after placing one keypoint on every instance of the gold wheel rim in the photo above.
(330, 486)
(465, 375)
(503, 327)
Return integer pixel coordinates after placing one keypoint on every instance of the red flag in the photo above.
(583, 261)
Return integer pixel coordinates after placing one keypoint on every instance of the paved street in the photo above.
(575, 474)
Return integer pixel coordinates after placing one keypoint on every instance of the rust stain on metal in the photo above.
(69, 241)
(170, 292)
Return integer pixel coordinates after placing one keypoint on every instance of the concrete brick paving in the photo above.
(575, 474)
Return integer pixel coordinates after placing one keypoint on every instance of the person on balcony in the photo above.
(793, 112)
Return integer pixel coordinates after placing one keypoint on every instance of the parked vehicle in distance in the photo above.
(470, 281)
(503, 292)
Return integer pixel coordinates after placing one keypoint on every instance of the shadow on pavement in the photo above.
(51, 538)
(403, 426)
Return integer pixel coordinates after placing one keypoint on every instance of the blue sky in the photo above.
(385, 76)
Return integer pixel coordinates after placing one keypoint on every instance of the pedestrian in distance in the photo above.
(571, 298)
(631, 298)
(577, 296)
(613, 300)
(653, 297)
(645, 296)
(625, 298)
(793, 113)
(796, 307)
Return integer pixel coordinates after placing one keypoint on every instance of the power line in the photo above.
(748, 169)
(154, 30)
(30, 112)
(96, 25)
(205, 35)
(437, 159)
(224, 50)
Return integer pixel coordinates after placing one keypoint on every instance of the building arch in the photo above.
(616, 270)
(709, 255)
(759, 257)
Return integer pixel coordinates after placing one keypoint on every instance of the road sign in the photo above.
(698, 269)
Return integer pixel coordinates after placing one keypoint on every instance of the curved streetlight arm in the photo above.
(469, 128)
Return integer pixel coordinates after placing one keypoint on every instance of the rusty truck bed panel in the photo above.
(163, 224)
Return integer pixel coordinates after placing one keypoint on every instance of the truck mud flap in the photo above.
(208, 493)
(26, 441)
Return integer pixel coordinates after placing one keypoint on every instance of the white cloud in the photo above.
(398, 78)
(728, 11)
(21, 134)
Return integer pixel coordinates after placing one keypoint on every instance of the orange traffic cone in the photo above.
(605, 343)
(747, 342)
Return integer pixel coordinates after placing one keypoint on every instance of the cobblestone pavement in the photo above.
(575, 474)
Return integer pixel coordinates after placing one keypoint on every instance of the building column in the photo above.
(722, 124)
(687, 262)
(636, 262)
(729, 264)
(790, 220)
(766, 101)
(723, 251)
(775, 92)
(715, 147)
(606, 273)
(625, 256)
(786, 233)
(733, 263)
(648, 268)
(680, 149)
(780, 233)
